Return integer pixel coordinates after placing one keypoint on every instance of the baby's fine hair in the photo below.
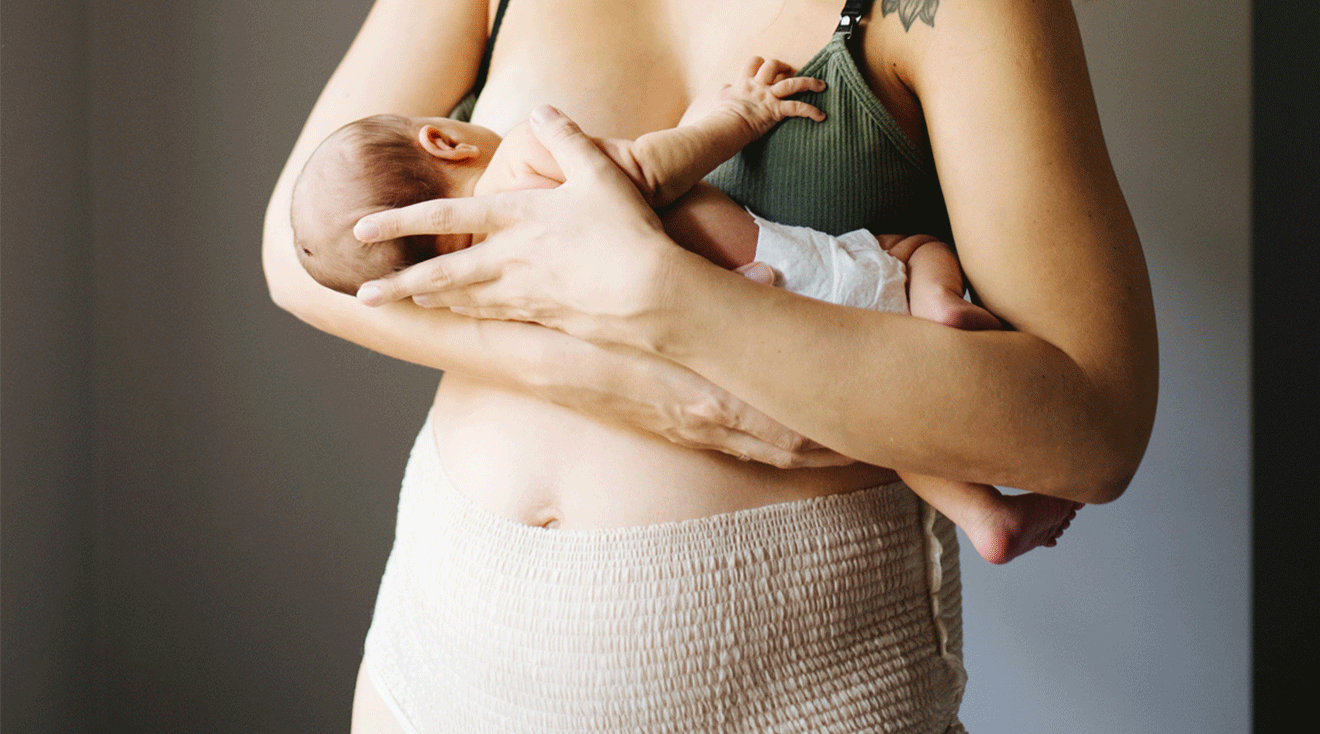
(390, 169)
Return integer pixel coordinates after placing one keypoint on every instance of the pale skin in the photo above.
(1062, 404)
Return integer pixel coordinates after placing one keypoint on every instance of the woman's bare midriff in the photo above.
(541, 464)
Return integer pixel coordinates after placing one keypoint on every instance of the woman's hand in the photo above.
(661, 397)
(582, 258)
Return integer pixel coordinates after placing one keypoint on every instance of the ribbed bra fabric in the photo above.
(827, 615)
(855, 170)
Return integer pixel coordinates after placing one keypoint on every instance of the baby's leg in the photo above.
(709, 223)
(935, 289)
(1001, 527)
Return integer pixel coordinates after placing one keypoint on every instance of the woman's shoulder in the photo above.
(914, 39)
(906, 46)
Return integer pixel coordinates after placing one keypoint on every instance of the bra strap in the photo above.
(853, 10)
(480, 83)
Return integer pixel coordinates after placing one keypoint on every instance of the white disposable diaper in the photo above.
(850, 270)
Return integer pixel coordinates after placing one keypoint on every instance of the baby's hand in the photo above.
(757, 96)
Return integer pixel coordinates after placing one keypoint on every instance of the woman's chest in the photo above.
(624, 68)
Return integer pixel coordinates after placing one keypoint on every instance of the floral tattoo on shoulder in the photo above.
(910, 10)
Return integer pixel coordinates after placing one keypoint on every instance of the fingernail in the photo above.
(367, 231)
(545, 113)
(371, 295)
(459, 310)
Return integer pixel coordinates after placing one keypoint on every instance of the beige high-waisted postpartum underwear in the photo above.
(834, 614)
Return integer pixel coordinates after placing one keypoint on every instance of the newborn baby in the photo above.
(389, 161)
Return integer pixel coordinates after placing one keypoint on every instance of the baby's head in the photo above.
(380, 162)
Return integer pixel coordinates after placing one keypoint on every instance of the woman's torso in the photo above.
(633, 67)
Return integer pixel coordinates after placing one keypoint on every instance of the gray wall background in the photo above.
(198, 491)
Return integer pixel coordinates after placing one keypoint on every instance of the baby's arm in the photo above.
(667, 163)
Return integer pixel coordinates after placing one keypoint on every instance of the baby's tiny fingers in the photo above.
(796, 85)
(752, 67)
(771, 71)
(801, 109)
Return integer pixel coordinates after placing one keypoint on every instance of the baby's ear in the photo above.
(439, 144)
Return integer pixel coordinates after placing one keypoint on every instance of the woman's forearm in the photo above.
(1064, 405)
(622, 386)
(994, 407)
(431, 338)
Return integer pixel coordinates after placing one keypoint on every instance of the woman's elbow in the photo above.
(1093, 475)
(1110, 484)
(282, 270)
(1102, 471)
(283, 297)
(291, 295)
(281, 288)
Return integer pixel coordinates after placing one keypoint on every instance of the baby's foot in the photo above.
(1019, 522)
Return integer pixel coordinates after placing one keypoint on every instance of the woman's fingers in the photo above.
(747, 447)
(466, 215)
(434, 277)
(820, 457)
(545, 248)
(757, 272)
(746, 433)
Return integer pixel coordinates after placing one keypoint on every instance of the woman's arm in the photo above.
(420, 57)
(1062, 406)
